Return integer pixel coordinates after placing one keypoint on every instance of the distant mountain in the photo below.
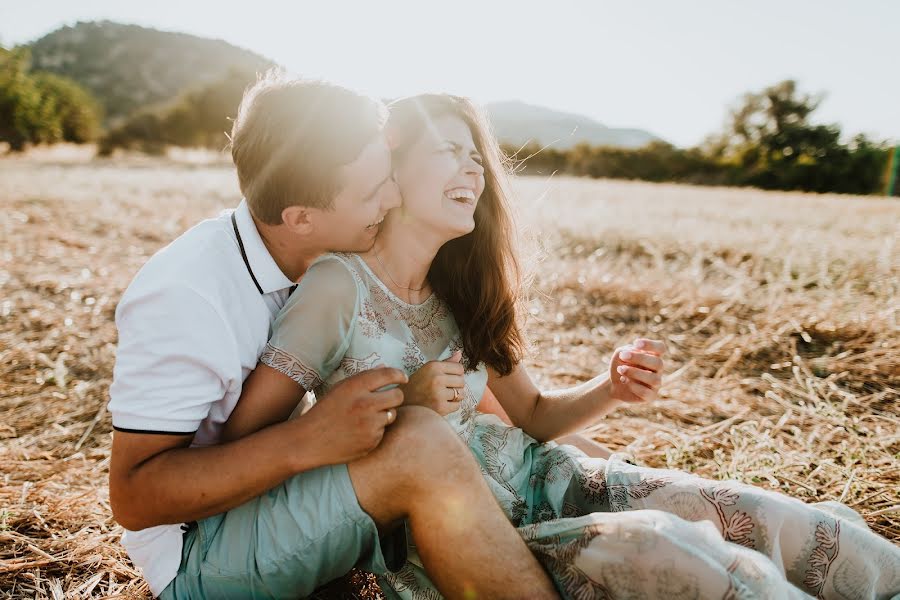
(129, 67)
(518, 123)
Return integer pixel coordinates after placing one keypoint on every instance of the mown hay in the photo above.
(780, 311)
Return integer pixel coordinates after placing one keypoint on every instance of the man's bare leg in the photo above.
(423, 472)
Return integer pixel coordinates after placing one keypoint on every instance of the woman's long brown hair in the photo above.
(477, 275)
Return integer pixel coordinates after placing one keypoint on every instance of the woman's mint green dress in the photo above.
(601, 528)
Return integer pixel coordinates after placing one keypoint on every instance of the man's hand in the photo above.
(635, 371)
(156, 479)
(437, 385)
(349, 421)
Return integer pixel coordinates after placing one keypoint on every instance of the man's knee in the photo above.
(420, 458)
(425, 431)
(421, 444)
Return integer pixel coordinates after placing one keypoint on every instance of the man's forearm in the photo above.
(560, 412)
(186, 484)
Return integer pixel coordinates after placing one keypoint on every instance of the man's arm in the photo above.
(156, 479)
(175, 359)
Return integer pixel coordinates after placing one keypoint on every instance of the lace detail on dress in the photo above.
(370, 321)
(353, 366)
(424, 320)
(281, 361)
(413, 358)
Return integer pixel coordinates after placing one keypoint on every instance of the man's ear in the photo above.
(298, 219)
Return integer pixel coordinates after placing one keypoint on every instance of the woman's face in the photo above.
(441, 179)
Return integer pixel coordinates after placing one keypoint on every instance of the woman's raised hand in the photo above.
(635, 371)
(438, 385)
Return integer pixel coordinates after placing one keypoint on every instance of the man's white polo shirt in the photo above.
(192, 326)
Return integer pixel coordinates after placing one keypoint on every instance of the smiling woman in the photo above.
(600, 526)
(444, 153)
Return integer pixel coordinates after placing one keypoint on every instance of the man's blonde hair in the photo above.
(290, 137)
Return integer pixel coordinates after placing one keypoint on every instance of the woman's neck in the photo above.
(402, 257)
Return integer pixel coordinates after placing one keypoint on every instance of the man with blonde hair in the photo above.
(288, 508)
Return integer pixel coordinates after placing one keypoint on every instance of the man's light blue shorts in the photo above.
(284, 544)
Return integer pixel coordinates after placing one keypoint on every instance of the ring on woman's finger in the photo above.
(390, 416)
(456, 394)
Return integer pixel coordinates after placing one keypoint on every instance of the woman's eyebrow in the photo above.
(459, 147)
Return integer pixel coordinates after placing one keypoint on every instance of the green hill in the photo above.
(129, 67)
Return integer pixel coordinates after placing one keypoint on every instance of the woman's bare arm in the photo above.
(549, 415)
(489, 405)
(268, 397)
(634, 375)
(591, 447)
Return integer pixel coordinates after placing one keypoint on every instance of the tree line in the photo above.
(37, 107)
(769, 140)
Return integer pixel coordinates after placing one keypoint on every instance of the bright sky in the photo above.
(669, 67)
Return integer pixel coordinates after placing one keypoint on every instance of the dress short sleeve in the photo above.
(313, 330)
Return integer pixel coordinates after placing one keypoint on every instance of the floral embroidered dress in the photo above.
(601, 528)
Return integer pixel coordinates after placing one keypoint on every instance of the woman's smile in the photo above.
(462, 195)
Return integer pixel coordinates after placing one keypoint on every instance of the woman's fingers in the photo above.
(642, 393)
(448, 388)
(450, 381)
(449, 393)
(655, 346)
(651, 362)
(451, 366)
(639, 368)
(648, 378)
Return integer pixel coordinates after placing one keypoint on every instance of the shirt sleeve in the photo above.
(174, 355)
(312, 333)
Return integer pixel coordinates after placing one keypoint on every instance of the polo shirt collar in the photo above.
(259, 261)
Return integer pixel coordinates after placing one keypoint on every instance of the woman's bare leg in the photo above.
(586, 445)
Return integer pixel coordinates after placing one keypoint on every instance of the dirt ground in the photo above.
(780, 312)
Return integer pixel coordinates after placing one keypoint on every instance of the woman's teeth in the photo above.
(461, 195)
(375, 224)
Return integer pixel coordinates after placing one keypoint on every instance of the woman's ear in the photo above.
(298, 219)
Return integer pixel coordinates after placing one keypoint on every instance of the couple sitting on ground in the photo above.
(233, 482)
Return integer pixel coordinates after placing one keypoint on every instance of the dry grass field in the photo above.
(780, 310)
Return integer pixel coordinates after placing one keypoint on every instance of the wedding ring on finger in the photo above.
(455, 394)
(390, 416)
